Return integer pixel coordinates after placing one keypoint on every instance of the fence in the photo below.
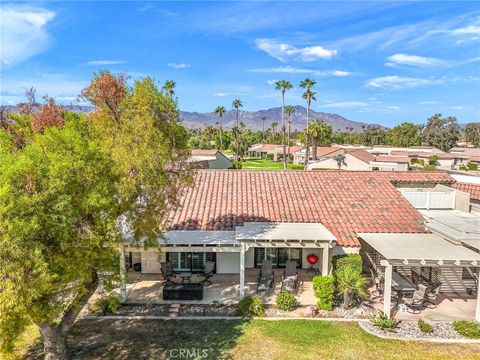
(431, 199)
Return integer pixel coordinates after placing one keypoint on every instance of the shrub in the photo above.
(462, 167)
(251, 305)
(286, 301)
(429, 168)
(269, 156)
(323, 287)
(469, 329)
(237, 164)
(351, 284)
(380, 320)
(472, 166)
(432, 160)
(108, 304)
(353, 261)
(424, 326)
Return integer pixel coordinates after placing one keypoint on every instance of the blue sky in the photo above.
(378, 62)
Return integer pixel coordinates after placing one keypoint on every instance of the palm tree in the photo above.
(169, 87)
(283, 86)
(220, 110)
(351, 284)
(237, 104)
(264, 138)
(340, 159)
(274, 126)
(308, 95)
(289, 110)
(319, 131)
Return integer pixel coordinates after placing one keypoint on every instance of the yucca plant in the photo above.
(351, 284)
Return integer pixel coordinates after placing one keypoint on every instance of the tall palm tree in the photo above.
(264, 138)
(319, 131)
(340, 159)
(289, 110)
(220, 110)
(274, 126)
(308, 95)
(283, 86)
(169, 87)
(237, 104)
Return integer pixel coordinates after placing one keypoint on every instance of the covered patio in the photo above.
(404, 261)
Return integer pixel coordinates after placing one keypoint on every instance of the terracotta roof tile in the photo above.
(203, 152)
(363, 155)
(345, 202)
(472, 189)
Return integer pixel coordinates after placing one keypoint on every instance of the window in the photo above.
(279, 256)
(468, 272)
(190, 261)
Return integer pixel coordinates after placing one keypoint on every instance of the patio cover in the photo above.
(472, 243)
(419, 247)
(273, 231)
(199, 238)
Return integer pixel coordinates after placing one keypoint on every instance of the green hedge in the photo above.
(324, 287)
(472, 166)
(351, 260)
(251, 305)
(469, 329)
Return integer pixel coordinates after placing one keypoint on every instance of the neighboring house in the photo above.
(390, 163)
(322, 152)
(238, 219)
(278, 151)
(445, 161)
(468, 154)
(356, 160)
(209, 159)
(261, 150)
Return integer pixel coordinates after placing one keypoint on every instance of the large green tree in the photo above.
(373, 135)
(443, 133)
(320, 134)
(472, 134)
(68, 193)
(406, 134)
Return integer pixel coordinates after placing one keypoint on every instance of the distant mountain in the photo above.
(252, 119)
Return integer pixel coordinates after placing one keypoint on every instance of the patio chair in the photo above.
(207, 272)
(375, 281)
(431, 298)
(416, 277)
(266, 277)
(473, 290)
(167, 271)
(417, 302)
(290, 277)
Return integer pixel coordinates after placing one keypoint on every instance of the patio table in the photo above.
(401, 283)
(185, 276)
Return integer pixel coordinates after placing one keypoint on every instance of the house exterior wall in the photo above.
(220, 162)
(228, 263)
(151, 260)
(353, 164)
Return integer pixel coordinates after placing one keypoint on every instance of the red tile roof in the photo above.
(204, 152)
(326, 150)
(472, 189)
(363, 155)
(393, 158)
(345, 202)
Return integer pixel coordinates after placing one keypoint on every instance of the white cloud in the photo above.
(284, 52)
(104, 62)
(346, 104)
(413, 60)
(271, 82)
(429, 102)
(394, 107)
(179, 65)
(23, 30)
(471, 29)
(296, 70)
(340, 73)
(396, 82)
(456, 107)
(220, 94)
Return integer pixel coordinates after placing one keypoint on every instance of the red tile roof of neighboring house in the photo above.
(474, 158)
(426, 155)
(345, 202)
(472, 189)
(393, 158)
(204, 152)
(363, 155)
(295, 148)
(265, 148)
(327, 150)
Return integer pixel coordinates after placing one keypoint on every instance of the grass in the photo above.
(257, 339)
(262, 164)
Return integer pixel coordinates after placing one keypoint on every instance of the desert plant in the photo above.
(251, 305)
(324, 287)
(424, 326)
(472, 166)
(429, 168)
(237, 164)
(432, 160)
(469, 329)
(351, 260)
(286, 301)
(351, 284)
(108, 304)
(383, 322)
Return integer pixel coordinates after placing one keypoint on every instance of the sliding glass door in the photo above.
(189, 261)
(278, 256)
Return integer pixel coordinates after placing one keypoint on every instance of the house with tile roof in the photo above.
(209, 159)
(240, 219)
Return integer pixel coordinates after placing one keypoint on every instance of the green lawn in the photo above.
(262, 164)
(243, 340)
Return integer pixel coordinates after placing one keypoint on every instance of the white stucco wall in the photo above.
(306, 252)
(228, 263)
(353, 164)
(151, 261)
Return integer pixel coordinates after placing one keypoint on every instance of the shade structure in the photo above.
(199, 238)
(274, 231)
(419, 247)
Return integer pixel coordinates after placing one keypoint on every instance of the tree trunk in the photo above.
(237, 145)
(288, 136)
(347, 299)
(283, 133)
(307, 149)
(221, 135)
(54, 344)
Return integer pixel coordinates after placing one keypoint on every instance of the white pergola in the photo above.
(283, 235)
(418, 250)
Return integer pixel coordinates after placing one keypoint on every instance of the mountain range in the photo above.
(251, 119)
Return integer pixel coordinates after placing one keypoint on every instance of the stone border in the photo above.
(155, 317)
(432, 340)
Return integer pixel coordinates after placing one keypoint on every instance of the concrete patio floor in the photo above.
(225, 288)
(449, 307)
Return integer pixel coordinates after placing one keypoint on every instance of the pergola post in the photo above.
(243, 246)
(477, 308)
(325, 260)
(123, 276)
(387, 290)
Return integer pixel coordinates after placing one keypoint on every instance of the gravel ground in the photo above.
(410, 330)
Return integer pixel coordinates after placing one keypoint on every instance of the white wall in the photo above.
(151, 262)
(250, 258)
(352, 162)
(306, 252)
(228, 263)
